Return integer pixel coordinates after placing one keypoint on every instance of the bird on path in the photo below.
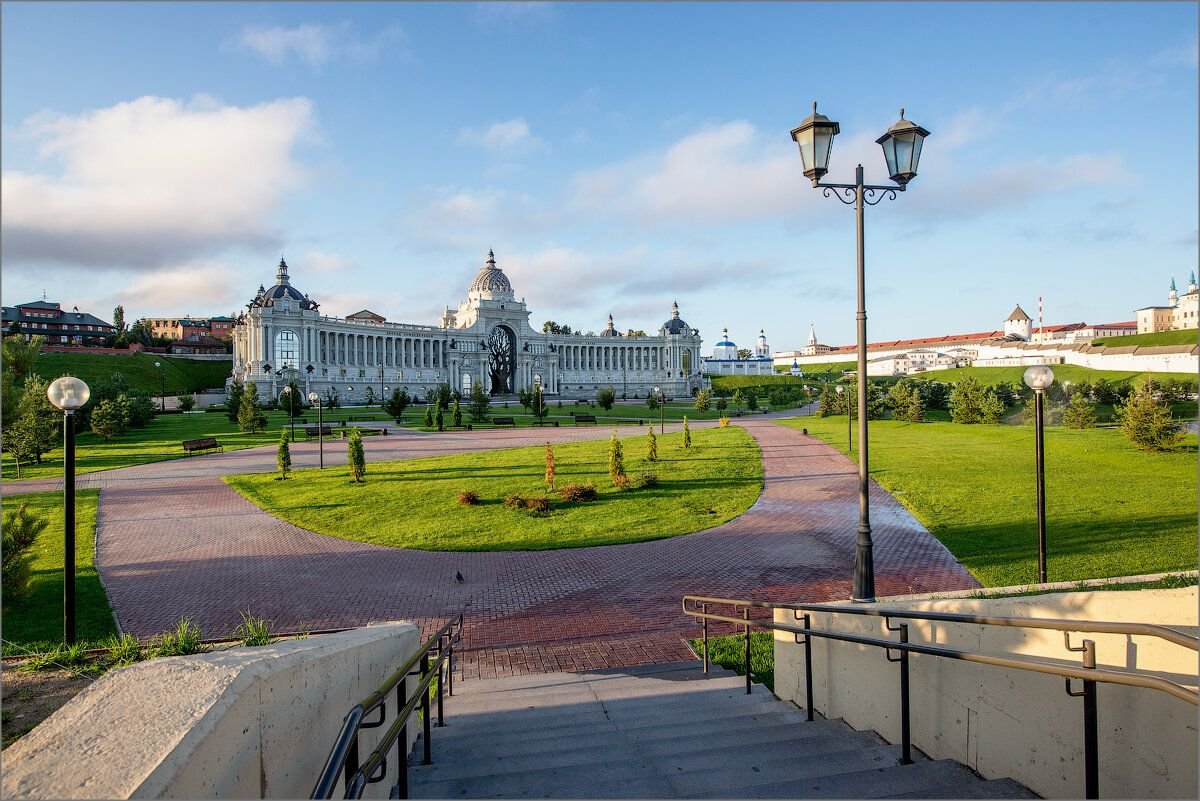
(458, 577)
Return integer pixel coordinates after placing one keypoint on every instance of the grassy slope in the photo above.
(1111, 510)
(411, 504)
(1185, 337)
(1014, 375)
(183, 375)
(37, 622)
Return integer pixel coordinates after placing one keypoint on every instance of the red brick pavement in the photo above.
(173, 540)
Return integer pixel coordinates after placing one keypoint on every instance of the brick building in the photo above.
(46, 318)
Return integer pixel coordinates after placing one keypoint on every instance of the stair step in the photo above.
(875, 783)
(562, 695)
(543, 681)
(739, 773)
(991, 788)
(600, 778)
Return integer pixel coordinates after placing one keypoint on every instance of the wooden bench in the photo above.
(504, 421)
(361, 418)
(311, 431)
(362, 432)
(585, 418)
(191, 446)
(546, 423)
(629, 420)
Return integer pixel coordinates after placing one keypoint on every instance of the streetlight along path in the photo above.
(173, 540)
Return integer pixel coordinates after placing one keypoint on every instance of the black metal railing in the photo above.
(344, 757)
(1087, 672)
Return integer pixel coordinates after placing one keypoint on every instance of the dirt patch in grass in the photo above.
(29, 697)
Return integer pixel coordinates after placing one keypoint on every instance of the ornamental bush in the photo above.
(703, 400)
(187, 402)
(549, 465)
(358, 460)
(606, 397)
(651, 445)
(21, 528)
(1079, 412)
(1147, 422)
(283, 456)
(616, 462)
(579, 493)
(468, 498)
(687, 434)
(250, 417)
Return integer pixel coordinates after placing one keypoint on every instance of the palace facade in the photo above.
(282, 336)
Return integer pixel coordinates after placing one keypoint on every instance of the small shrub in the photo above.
(538, 503)
(514, 500)
(1079, 412)
(723, 422)
(358, 460)
(254, 631)
(429, 417)
(616, 461)
(651, 445)
(549, 466)
(184, 639)
(647, 480)
(468, 498)
(187, 403)
(687, 433)
(123, 650)
(579, 493)
(1147, 421)
(21, 528)
(283, 456)
(606, 397)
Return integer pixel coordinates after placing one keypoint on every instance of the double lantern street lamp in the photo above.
(68, 394)
(902, 152)
(315, 400)
(1039, 378)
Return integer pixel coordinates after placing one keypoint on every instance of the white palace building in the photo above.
(282, 336)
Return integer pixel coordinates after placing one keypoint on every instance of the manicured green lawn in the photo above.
(411, 504)
(182, 375)
(1111, 510)
(989, 376)
(1185, 337)
(730, 653)
(36, 623)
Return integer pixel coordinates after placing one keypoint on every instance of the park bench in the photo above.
(362, 432)
(629, 421)
(361, 418)
(504, 421)
(311, 431)
(546, 423)
(191, 446)
(585, 418)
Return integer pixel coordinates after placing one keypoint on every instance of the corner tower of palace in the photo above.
(283, 337)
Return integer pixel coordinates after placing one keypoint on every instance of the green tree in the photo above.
(525, 397)
(906, 403)
(34, 429)
(703, 400)
(606, 397)
(751, 400)
(966, 401)
(616, 462)
(1079, 412)
(651, 445)
(991, 409)
(441, 394)
(539, 403)
(439, 418)
(358, 460)
(397, 403)
(20, 357)
(480, 404)
(141, 408)
(187, 402)
(21, 528)
(738, 399)
(935, 395)
(456, 415)
(687, 433)
(292, 400)
(250, 415)
(1147, 422)
(233, 401)
(722, 404)
(110, 419)
(119, 319)
(652, 401)
(429, 415)
(828, 404)
(1103, 392)
(283, 456)
(1052, 413)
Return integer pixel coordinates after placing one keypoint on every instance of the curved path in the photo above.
(174, 540)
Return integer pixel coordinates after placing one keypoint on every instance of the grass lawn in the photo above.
(36, 623)
(730, 653)
(183, 375)
(411, 504)
(989, 376)
(1185, 337)
(1111, 510)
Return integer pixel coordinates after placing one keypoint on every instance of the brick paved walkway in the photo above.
(173, 540)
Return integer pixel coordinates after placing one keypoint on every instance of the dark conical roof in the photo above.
(1018, 314)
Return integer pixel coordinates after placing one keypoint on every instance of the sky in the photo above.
(615, 156)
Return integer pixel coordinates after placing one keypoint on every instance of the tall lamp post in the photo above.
(315, 400)
(68, 394)
(662, 426)
(902, 151)
(162, 374)
(382, 388)
(849, 429)
(1039, 378)
(287, 393)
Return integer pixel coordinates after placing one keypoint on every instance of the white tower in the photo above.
(1173, 295)
(1019, 324)
(761, 350)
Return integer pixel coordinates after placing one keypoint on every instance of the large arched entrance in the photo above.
(502, 354)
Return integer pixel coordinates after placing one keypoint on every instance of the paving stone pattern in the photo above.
(173, 540)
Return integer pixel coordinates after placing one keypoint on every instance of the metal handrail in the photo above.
(1087, 672)
(1058, 624)
(343, 757)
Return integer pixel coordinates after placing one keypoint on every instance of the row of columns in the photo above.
(367, 350)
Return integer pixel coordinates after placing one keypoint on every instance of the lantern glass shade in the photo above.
(313, 397)
(840, 389)
(1039, 377)
(68, 393)
(814, 136)
(902, 149)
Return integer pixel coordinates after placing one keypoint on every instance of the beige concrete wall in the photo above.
(1015, 723)
(242, 723)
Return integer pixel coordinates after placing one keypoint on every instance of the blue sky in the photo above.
(617, 156)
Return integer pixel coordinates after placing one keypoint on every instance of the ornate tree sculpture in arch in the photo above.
(502, 352)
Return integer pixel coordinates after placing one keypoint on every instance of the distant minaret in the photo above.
(812, 335)
(1192, 282)
(1173, 295)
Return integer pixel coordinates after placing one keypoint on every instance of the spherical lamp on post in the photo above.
(162, 374)
(1039, 378)
(287, 394)
(849, 429)
(315, 400)
(68, 394)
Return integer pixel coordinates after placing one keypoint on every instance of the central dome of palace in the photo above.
(491, 278)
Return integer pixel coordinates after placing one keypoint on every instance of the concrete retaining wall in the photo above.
(242, 723)
(1015, 723)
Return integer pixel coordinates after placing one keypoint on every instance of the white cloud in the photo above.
(313, 44)
(153, 180)
(510, 137)
(194, 288)
(317, 261)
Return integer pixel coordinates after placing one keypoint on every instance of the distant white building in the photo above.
(913, 361)
(1180, 312)
(725, 360)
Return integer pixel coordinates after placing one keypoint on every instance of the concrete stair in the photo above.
(664, 731)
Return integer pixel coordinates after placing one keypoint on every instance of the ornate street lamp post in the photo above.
(315, 400)
(1039, 378)
(68, 394)
(902, 152)
(849, 430)
(163, 375)
(287, 393)
(662, 426)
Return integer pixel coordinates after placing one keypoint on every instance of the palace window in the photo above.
(287, 350)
